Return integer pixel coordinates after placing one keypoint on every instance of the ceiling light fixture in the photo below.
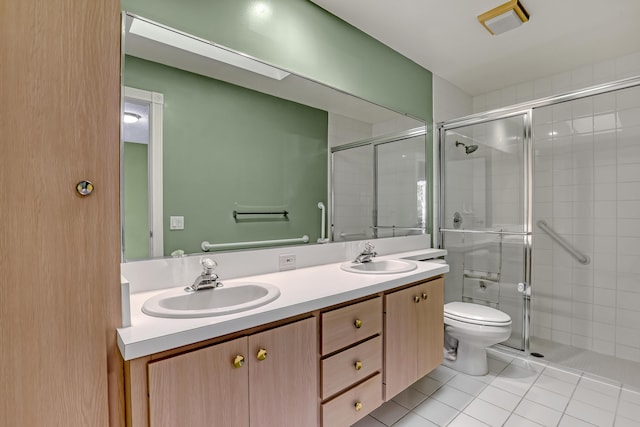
(128, 117)
(505, 17)
(200, 47)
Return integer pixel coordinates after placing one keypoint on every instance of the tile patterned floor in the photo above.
(517, 392)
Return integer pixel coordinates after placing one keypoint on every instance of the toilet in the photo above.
(475, 327)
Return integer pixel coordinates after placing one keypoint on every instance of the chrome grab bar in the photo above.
(206, 246)
(582, 259)
(395, 227)
(506, 233)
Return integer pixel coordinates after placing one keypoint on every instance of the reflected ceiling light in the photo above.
(505, 17)
(128, 117)
(181, 41)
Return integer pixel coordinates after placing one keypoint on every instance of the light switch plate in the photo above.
(287, 262)
(176, 223)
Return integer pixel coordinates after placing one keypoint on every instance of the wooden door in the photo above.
(60, 252)
(431, 326)
(201, 388)
(283, 390)
(400, 341)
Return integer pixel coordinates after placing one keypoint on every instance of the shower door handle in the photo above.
(524, 288)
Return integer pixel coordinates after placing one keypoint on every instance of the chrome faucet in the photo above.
(366, 254)
(208, 279)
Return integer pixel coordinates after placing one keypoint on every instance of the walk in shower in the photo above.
(540, 214)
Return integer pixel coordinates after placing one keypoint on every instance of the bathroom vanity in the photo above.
(332, 348)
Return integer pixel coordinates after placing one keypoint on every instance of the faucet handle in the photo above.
(369, 247)
(208, 264)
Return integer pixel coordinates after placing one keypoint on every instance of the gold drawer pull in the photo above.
(358, 365)
(262, 354)
(416, 299)
(357, 323)
(358, 406)
(425, 295)
(238, 361)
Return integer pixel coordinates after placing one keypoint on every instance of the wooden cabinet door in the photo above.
(431, 326)
(400, 341)
(283, 388)
(201, 388)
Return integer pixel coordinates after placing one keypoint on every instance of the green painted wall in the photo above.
(226, 145)
(301, 37)
(136, 190)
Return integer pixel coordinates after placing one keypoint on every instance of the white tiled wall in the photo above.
(587, 187)
(602, 72)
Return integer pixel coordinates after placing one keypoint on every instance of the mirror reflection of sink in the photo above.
(227, 299)
(386, 266)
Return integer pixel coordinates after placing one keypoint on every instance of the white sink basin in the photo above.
(227, 299)
(387, 266)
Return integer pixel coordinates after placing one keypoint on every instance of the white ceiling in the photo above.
(445, 36)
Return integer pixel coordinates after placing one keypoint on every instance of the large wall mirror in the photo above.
(222, 148)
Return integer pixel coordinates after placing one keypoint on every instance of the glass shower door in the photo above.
(485, 216)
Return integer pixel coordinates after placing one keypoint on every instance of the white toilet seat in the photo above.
(475, 314)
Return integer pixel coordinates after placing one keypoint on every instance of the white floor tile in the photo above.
(601, 385)
(530, 365)
(442, 374)
(589, 413)
(410, 398)
(453, 397)
(538, 413)
(500, 398)
(464, 420)
(569, 421)
(512, 385)
(562, 375)
(520, 373)
(487, 413)
(628, 410)
(594, 398)
(467, 383)
(487, 379)
(626, 422)
(368, 421)
(436, 412)
(389, 412)
(518, 421)
(547, 398)
(497, 365)
(426, 385)
(558, 386)
(630, 395)
(414, 420)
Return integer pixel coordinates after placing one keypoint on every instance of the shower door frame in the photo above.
(526, 234)
(505, 112)
(374, 142)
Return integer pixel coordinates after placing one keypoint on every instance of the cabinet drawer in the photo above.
(354, 404)
(350, 366)
(347, 325)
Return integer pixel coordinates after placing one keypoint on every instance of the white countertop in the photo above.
(301, 291)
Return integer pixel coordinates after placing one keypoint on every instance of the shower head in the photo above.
(468, 149)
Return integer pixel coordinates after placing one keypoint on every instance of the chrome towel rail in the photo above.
(206, 246)
(582, 259)
(283, 213)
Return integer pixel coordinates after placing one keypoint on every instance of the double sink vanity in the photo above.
(322, 345)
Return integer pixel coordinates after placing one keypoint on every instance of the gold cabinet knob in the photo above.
(358, 365)
(238, 361)
(262, 354)
(358, 406)
(416, 299)
(357, 323)
(425, 295)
